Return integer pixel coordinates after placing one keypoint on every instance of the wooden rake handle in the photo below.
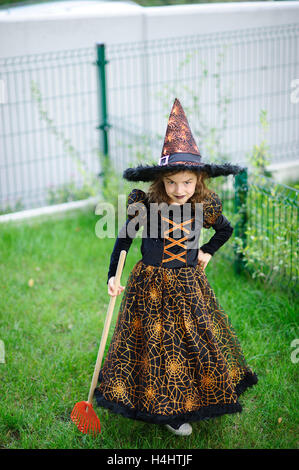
(94, 381)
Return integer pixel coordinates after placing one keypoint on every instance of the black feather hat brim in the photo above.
(150, 173)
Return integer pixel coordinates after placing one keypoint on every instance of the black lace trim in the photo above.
(204, 413)
(248, 381)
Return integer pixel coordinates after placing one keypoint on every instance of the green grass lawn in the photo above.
(52, 329)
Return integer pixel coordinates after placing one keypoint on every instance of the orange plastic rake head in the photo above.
(83, 414)
(85, 418)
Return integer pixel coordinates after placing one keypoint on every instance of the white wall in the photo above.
(70, 25)
(207, 18)
(67, 25)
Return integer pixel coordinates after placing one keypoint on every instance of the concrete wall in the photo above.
(70, 25)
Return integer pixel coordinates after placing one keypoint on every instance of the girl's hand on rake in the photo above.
(203, 259)
(111, 287)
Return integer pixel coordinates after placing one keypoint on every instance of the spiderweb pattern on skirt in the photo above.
(174, 355)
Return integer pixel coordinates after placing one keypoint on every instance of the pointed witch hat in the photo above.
(179, 152)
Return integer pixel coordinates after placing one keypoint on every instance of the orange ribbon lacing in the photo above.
(174, 241)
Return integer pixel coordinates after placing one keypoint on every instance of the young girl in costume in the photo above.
(174, 357)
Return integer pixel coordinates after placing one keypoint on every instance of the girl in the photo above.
(174, 357)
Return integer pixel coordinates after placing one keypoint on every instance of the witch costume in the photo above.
(174, 356)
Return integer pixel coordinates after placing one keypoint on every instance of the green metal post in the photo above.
(241, 191)
(102, 99)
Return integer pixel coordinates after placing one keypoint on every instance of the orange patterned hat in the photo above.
(179, 139)
(179, 150)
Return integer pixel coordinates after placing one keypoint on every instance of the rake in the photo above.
(83, 414)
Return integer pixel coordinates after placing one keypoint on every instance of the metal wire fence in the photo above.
(265, 217)
(59, 109)
(225, 81)
(49, 119)
(272, 230)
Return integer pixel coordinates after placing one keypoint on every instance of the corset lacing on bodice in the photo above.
(171, 242)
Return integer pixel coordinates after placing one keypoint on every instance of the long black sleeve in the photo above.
(123, 242)
(223, 231)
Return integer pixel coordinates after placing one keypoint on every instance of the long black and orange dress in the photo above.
(174, 356)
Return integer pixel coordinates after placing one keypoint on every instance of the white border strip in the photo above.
(48, 210)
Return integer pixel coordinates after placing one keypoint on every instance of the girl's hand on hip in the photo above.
(111, 287)
(203, 258)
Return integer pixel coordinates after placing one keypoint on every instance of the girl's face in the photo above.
(180, 187)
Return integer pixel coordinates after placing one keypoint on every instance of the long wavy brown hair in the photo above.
(157, 193)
